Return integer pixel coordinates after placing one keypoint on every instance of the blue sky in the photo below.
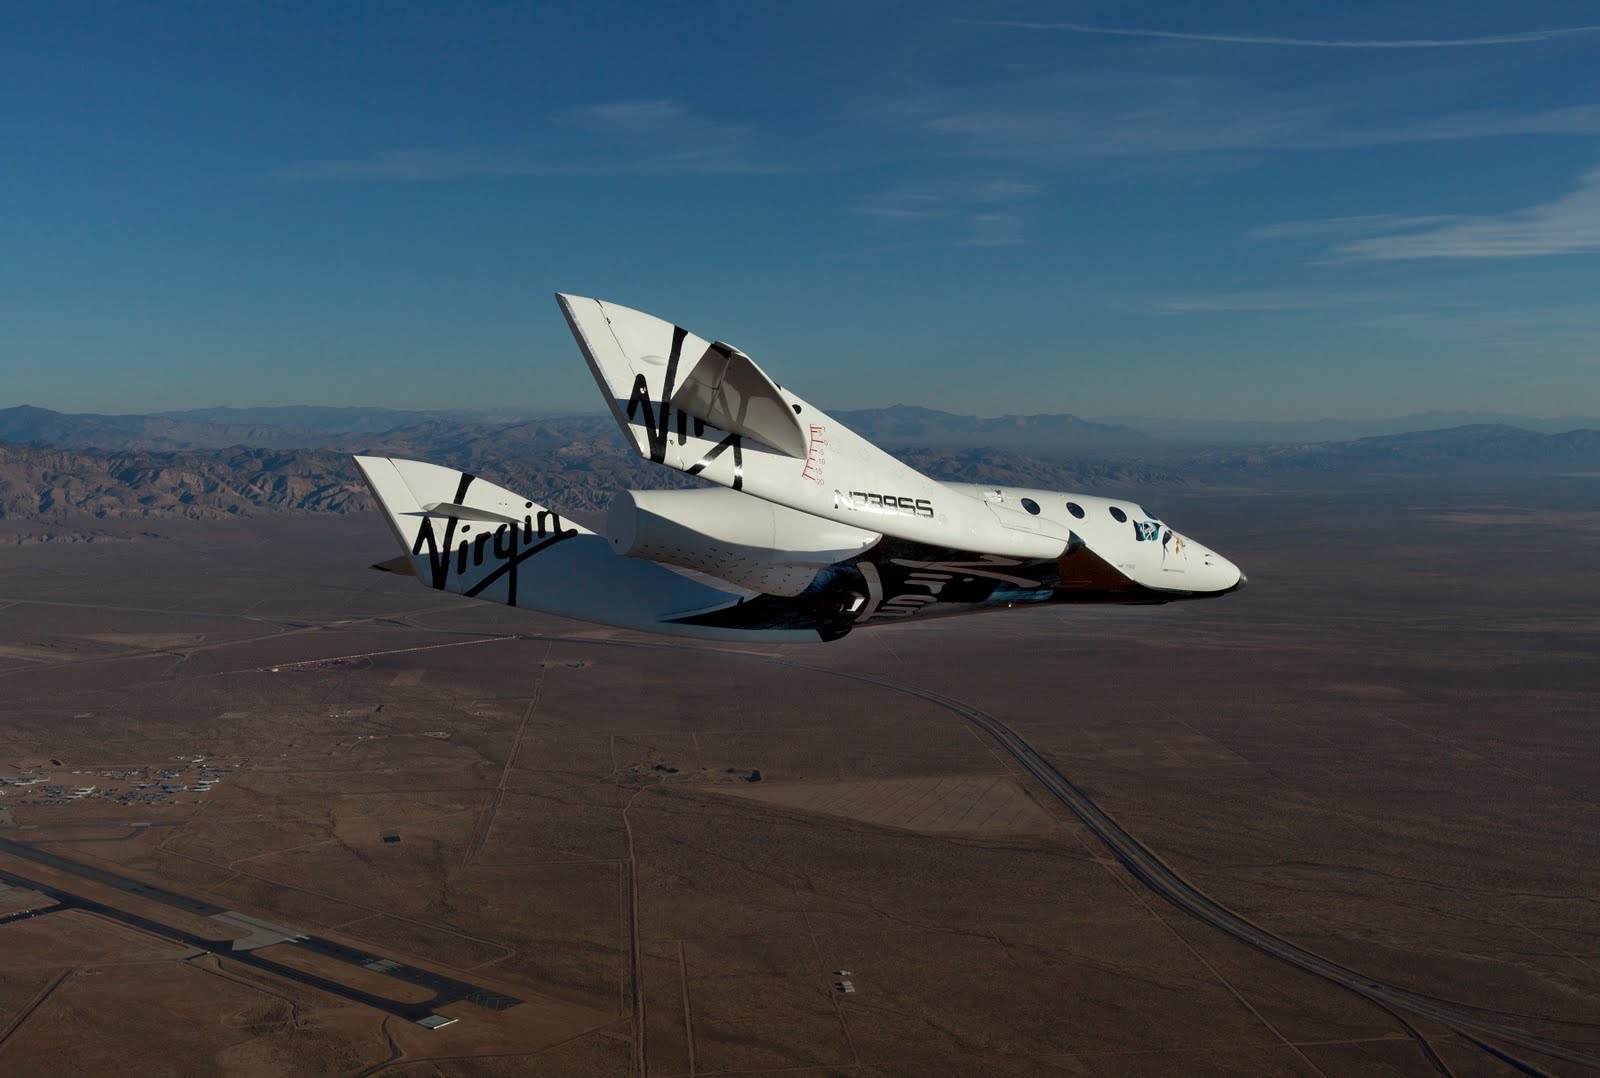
(1220, 210)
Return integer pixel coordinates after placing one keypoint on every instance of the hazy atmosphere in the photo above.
(1104, 209)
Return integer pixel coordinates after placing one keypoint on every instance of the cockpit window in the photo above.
(1031, 506)
(1075, 509)
(1118, 515)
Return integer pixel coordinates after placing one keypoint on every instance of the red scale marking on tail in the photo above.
(816, 455)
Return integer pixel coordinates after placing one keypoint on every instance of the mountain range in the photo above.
(907, 420)
(60, 468)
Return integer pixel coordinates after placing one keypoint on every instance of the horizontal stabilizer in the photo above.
(401, 564)
(458, 534)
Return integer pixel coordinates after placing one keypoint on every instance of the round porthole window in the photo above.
(1119, 515)
(1075, 509)
(1031, 506)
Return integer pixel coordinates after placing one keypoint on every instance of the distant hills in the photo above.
(313, 417)
(113, 467)
(59, 467)
(55, 484)
(899, 424)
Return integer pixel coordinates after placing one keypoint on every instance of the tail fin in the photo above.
(706, 409)
(466, 535)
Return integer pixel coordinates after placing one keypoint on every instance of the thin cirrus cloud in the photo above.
(983, 214)
(1566, 225)
(664, 135)
(1326, 229)
(1191, 116)
(1250, 302)
(414, 165)
(1528, 37)
(618, 137)
(1139, 126)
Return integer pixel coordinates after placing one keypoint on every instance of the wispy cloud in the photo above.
(605, 139)
(1131, 128)
(1483, 123)
(978, 214)
(1324, 229)
(1162, 117)
(414, 165)
(1527, 37)
(994, 228)
(1251, 302)
(1565, 226)
(667, 136)
(907, 206)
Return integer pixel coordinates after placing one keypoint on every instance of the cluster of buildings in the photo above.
(37, 790)
(133, 785)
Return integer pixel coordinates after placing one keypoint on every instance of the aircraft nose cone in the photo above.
(1226, 577)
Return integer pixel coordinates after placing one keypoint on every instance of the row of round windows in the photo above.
(1075, 509)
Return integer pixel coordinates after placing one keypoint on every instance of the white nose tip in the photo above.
(1222, 577)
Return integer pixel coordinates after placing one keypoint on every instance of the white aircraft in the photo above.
(811, 532)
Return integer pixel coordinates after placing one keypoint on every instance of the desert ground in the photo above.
(329, 805)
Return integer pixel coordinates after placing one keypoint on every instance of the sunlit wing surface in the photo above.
(466, 535)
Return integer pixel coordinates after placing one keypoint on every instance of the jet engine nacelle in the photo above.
(733, 536)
